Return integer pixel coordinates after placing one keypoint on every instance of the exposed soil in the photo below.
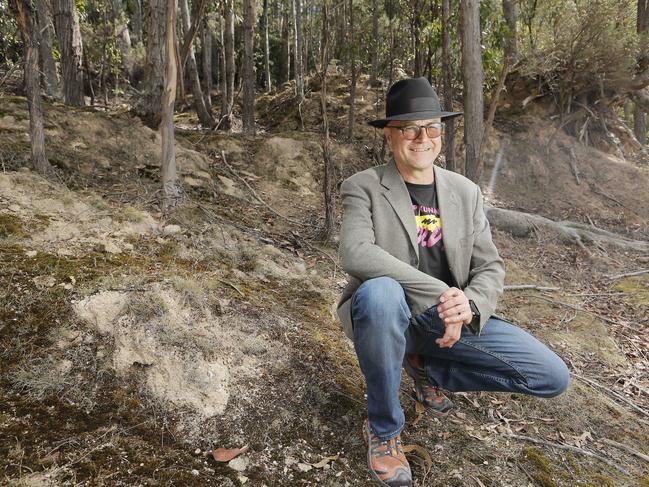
(132, 345)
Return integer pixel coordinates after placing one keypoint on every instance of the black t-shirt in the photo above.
(432, 257)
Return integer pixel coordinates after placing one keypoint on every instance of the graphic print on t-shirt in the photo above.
(429, 225)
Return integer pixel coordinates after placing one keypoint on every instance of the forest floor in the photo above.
(133, 344)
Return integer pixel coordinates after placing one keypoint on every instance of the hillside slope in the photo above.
(132, 345)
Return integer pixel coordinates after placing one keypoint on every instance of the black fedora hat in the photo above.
(412, 99)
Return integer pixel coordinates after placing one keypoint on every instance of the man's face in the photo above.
(413, 156)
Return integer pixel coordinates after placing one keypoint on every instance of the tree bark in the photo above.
(223, 79)
(122, 35)
(249, 68)
(328, 181)
(640, 124)
(374, 53)
(473, 80)
(352, 94)
(136, 23)
(447, 73)
(44, 40)
(511, 48)
(297, 37)
(415, 29)
(25, 17)
(266, 49)
(171, 190)
(66, 21)
(639, 116)
(206, 53)
(285, 60)
(149, 106)
(204, 115)
(228, 40)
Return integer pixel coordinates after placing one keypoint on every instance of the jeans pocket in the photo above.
(430, 322)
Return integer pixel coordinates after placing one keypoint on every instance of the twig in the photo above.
(627, 449)
(254, 193)
(611, 392)
(584, 310)
(628, 274)
(232, 286)
(575, 449)
(573, 164)
(530, 286)
(313, 247)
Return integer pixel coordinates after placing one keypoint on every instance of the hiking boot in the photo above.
(386, 460)
(425, 391)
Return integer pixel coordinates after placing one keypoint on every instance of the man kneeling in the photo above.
(425, 277)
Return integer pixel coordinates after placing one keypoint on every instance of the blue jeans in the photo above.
(502, 358)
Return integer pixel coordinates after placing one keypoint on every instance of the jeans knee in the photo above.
(557, 378)
(381, 302)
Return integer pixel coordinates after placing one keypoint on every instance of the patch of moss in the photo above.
(11, 225)
(538, 458)
(637, 288)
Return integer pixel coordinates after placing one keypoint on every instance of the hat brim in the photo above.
(382, 122)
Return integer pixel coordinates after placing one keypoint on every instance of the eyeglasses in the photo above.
(411, 132)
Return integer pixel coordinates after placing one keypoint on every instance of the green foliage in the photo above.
(10, 43)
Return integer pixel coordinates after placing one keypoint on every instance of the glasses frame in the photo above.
(434, 125)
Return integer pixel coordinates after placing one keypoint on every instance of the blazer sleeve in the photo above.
(363, 259)
(487, 269)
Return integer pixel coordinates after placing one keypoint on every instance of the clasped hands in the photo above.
(455, 311)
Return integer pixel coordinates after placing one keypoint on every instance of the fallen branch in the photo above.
(627, 449)
(254, 193)
(571, 448)
(628, 274)
(232, 286)
(573, 164)
(519, 287)
(611, 392)
(520, 224)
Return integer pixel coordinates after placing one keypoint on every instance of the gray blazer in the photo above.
(379, 238)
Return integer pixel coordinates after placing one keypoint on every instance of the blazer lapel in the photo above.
(449, 213)
(399, 198)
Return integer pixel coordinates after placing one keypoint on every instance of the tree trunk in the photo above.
(25, 17)
(297, 37)
(122, 35)
(447, 73)
(249, 68)
(229, 60)
(640, 124)
(223, 79)
(511, 47)
(473, 79)
(375, 44)
(266, 49)
(68, 31)
(285, 61)
(171, 190)
(415, 30)
(329, 181)
(136, 23)
(352, 93)
(639, 117)
(149, 106)
(206, 53)
(204, 115)
(44, 41)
